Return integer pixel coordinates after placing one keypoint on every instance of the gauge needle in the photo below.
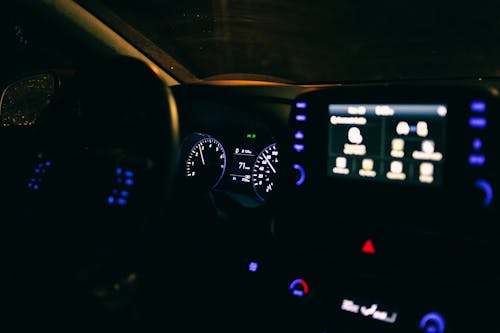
(269, 163)
(201, 154)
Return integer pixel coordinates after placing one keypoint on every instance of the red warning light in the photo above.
(368, 247)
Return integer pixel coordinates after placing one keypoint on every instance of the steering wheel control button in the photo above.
(299, 288)
(485, 187)
(121, 193)
(38, 175)
(302, 174)
(433, 322)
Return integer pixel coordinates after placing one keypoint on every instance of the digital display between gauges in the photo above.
(387, 142)
(252, 167)
(241, 166)
(205, 161)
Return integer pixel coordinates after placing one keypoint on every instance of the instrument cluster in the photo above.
(243, 165)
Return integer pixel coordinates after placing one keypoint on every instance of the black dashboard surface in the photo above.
(335, 254)
(306, 250)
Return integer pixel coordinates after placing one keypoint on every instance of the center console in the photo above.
(389, 212)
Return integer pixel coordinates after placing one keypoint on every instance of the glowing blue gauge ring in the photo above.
(433, 322)
(192, 162)
(299, 288)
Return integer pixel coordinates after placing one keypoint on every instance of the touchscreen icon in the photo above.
(428, 146)
(341, 162)
(396, 167)
(396, 171)
(397, 146)
(403, 128)
(422, 129)
(341, 166)
(367, 165)
(354, 135)
(426, 172)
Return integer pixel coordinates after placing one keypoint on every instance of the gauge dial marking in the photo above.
(206, 162)
(265, 173)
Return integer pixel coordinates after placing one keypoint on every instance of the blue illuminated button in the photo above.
(298, 135)
(433, 322)
(477, 144)
(477, 160)
(478, 106)
(486, 188)
(253, 266)
(299, 288)
(121, 201)
(302, 174)
(301, 117)
(477, 122)
(298, 147)
(301, 105)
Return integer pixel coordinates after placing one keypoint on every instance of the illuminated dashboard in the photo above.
(349, 208)
(245, 165)
(419, 144)
(386, 183)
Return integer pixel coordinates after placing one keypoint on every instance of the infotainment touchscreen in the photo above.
(402, 143)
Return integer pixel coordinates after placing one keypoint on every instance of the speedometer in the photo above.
(206, 162)
(265, 172)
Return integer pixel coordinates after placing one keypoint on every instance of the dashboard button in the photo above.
(301, 105)
(298, 147)
(477, 122)
(487, 189)
(302, 174)
(432, 322)
(477, 160)
(478, 106)
(368, 247)
(299, 288)
(253, 266)
(299, 135)
(301, 118)
(477, 144)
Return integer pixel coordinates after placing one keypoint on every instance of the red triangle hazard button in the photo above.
(368, 247)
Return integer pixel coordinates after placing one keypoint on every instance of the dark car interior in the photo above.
(144, 193)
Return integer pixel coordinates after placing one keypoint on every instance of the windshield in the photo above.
(319, 41)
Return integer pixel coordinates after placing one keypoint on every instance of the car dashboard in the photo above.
(384, 203)
(253, 206)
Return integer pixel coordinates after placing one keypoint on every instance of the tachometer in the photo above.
(205, 162)
(265, 172)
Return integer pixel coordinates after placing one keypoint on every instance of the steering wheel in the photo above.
(99, 195)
